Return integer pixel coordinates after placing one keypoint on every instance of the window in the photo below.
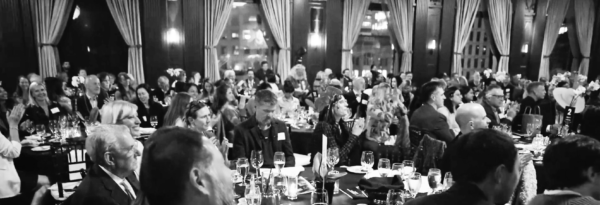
(476, 56)
(374, 45)
(248, 40)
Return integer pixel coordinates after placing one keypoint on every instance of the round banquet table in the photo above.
(40, 163)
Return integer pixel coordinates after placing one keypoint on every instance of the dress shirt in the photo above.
(93, 101)
(123, 183)
(10, 182)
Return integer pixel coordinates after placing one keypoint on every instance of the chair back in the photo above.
(429, 154)
(415, 136)
(70, 162)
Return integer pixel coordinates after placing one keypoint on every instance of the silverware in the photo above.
(346, 193)
(363, 192)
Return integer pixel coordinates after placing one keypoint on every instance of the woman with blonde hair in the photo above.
(385, 110)
(40, 109)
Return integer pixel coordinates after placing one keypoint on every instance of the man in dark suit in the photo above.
(493, 100)
(536, 93)
(264, 72)
(111, 180)
(163, 90)
(485, 168)
(427, 119)
(93, 97)
(357, 100)
(263, 132)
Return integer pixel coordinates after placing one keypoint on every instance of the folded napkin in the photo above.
(381, 184)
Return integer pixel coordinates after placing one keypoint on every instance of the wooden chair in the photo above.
(415, 135)
(429, 154)
(71, 156)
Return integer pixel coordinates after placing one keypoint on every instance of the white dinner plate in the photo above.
(40, 148)
(356, 170)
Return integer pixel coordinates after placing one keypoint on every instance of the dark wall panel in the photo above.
(420, 71)
(594, 70)
(447, 36)
(334, 24)
(537, 40)
(300, 28)
(193, 20)
(154, 47)
(518, 36)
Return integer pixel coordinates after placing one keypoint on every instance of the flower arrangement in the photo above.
(77, 80)
(487, 73)
(593, 86)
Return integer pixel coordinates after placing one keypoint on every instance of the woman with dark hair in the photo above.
(452, 101)
(125, 90)
(467, 94)
(192, 90)
(147, 107)
(274, 81)
(208, 92)
(339, 135)
(225, 107)
(56, 93)
(198, 117)
(176, 111)
(6, 104)
(21, 95)
(288, 103)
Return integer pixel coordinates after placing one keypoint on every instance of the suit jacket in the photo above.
(37, 115)
(98, 188)
(491, 113)
(145, 114)
(354, 104)
(248, 137)
(429, 120)
(84, 106)
(158, 93)
(261, 74)
(458, 194)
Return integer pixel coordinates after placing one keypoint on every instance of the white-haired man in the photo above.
(356, 98)
(93, 97)
(111, 179)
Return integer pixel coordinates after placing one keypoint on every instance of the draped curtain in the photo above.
(466, 11)
(501, 12)
(584, 20)
(279, 18)
(557, 10)
(402, 20)
(216, 15)
(126, 14)
(354, 14)
(49, 22)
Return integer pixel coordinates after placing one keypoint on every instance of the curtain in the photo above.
(127, 17)
(556, 12)
(501, 12)
(584, 21)
(279, 17)
(466, 11)
(49, 22)
(402, 21)
(216, 15)
(354, 14)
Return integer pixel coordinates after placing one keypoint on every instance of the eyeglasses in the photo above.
(499, 96)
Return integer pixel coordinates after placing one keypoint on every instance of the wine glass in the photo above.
(529, 129)
(333, 156)
(367, 160)
(414, 184)
(242, 167)
(29, 127)
(53, 125)
(434, 177)
(397, 168)
(253, 195)
(448, 182)
(153, 121)
(319, 197)
(235, 175)
(384, 167)
(279, 161)
(408, 168)
(40, 129)
(257, 160)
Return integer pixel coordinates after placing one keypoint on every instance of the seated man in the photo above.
(251, 104)
(111, 180)
(93, 98)
(573, 172)
(263, 132)
(471, 116)
(357, 100)
(427, 119)
(485, 166)
(493, 100)
(180, 168)
(535, 94)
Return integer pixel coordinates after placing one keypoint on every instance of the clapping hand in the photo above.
(359, 126)
(16, 114)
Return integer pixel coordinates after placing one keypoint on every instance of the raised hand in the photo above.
(359, 126)
(14, 117)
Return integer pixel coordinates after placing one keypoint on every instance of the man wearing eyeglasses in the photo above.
(494, 99)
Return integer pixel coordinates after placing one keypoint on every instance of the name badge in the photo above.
(230, 145)
(54, 110)
(280, 136)
(364, 102)
(144, 117)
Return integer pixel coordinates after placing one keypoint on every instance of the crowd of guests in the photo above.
(203, 124)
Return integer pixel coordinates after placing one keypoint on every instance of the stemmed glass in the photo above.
(279, 161)
(397, 168)
(153, 121)
(448, 182)
(529, 129)
(434, 178)
(367, 160)
(257, 160)
(333, 157)
(242, 167)
(414, 184)
(384, 167)
(40, 129)
(408, 168)
(29, 127)
(235, 175)
(53, 125)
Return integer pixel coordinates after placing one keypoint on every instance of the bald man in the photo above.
(93, 97)
(471, 116)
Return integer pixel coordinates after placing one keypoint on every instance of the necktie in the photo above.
(127, 191)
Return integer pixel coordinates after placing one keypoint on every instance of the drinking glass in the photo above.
(53, 125)
(408, 168)
(292, 187)
(448, 182)
(257, 160)
(529, 129)
(397, 168)
(333, 157)
(367, 160)
(153, 121)
(414, 184)
(40, 129)
(384, 167)
(242, 167)
(434, 177)
(235, 175)
(253, 195)
(395, 197)
(279, 161)
(280, 183)
(319, 197)
(30, 128)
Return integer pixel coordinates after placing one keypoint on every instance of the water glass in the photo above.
(397, 169)
(280, 183)
(448, 182)
(408, 168)
(279, 161)
(153, 121)
(40, 129)
(242, 167)
(367, 160)
(434, 178)
(384, 167)
(395, 197)
(319, 197)
(257, 160)
(292, 187)
(253, 195)
(333, 157)
(529, 129)
(414, 184)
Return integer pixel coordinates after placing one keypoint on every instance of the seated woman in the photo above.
(15, 184)
(56, 93)
(176, 111)
(208, 91)
(198, 117)
(225, 107)
(147, 107)
(288, 103)
(467, 93)
(21, 95)
(125, 89)
(346, 139)
(452, 101)
(192, 90)
(383, 110)
(40, 109)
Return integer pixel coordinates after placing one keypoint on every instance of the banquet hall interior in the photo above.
(299, 102)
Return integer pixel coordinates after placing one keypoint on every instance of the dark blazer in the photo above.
(490, 113)
(354, 104)
(429, 120)
(248, 137)
(84, 106)
(37, 115)
(458, 194)
(261, 74)
(98, 188)
(145, 114)
(160, 95)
